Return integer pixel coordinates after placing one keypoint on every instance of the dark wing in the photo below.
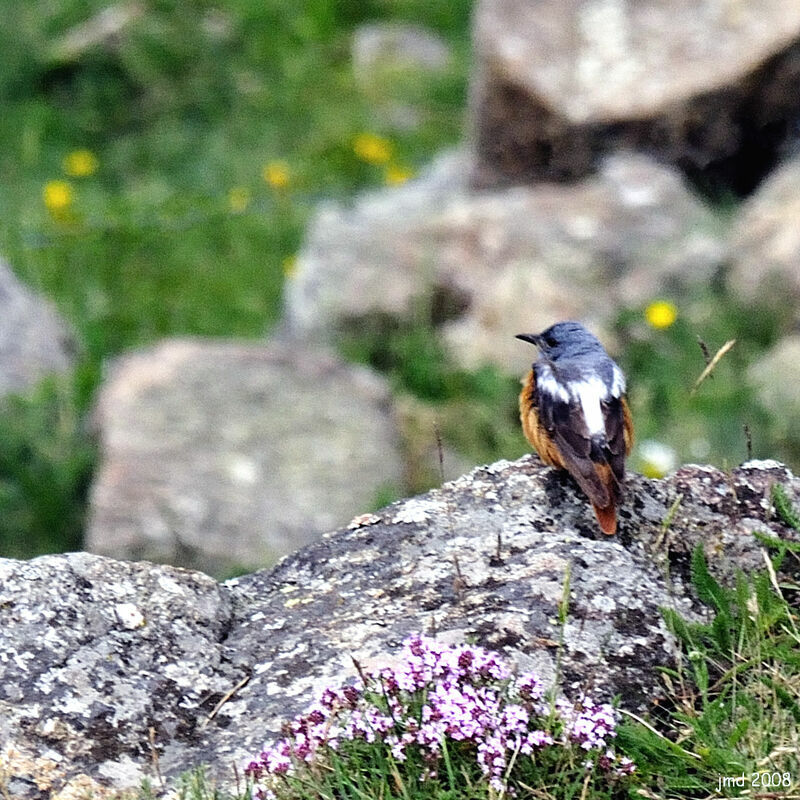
(583, 457)
(615, 448)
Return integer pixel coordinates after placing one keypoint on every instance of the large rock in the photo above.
(772, 377)
(107, 668)
(34, 340)
(489, 265)
(765, 268)
(711, 86)
(223, 455)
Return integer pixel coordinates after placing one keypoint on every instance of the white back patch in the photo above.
(547, 383)
(590, 393)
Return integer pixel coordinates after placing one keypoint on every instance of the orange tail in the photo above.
(607, 517)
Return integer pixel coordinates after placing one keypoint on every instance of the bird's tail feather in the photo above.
(607, 512)
(607, 517)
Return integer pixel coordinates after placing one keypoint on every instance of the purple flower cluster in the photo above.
(442, 696)
(590, 725)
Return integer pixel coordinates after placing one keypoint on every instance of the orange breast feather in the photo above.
(531, 426)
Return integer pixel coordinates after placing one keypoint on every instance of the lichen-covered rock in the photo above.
(106, 666)
(94, 652)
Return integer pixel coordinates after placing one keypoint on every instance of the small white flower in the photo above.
(657, 458)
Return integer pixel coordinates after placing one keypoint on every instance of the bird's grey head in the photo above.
(568, 339)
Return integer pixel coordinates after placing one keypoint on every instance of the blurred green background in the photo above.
(158, 182)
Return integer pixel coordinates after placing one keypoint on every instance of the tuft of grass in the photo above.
(734, 699)
(784, 508)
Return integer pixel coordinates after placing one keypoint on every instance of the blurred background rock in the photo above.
(266, 255)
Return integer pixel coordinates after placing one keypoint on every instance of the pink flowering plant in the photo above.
(450, 722)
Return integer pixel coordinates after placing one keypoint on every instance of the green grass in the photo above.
(178, 114)
(45, 469)
(707, 426)
(190, 102)
(735, 694)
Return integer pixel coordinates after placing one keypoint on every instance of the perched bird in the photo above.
(574, 414)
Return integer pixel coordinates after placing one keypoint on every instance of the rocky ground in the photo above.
(107, 666)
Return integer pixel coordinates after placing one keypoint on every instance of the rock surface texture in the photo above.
(765, 269)
(710, 86)
(34, 340)
(222, 455)
(106, 666)
(484, 266)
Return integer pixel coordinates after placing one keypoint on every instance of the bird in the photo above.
(575, 414)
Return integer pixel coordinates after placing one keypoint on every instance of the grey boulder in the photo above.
(224, 456)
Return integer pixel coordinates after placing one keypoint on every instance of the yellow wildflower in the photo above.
(239, 199)
(289, 265)
(660, 314)
(80, 163)
(276, 174)
(372, 148)
(57, 197)
(395, 175)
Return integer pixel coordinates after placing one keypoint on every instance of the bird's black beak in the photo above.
(533, 338)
